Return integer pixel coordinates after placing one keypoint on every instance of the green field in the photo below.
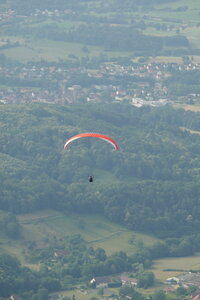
(48, 50)
(169, 15)
(165, 10)
(86, 294)
(95, 229)
(175, 263)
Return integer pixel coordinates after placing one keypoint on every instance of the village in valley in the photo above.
(137, 84)
(142, 80)
(104, 285)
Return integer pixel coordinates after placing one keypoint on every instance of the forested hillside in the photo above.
(151, 184)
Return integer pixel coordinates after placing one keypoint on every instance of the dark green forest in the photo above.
(150, 185)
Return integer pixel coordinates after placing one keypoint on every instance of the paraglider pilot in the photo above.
(90, 178)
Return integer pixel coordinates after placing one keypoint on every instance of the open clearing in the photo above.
(175, 263)
(95, 229)
(49, 50)
(37, 50)
(43, 226)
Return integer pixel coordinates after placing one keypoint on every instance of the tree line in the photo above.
(112, 38)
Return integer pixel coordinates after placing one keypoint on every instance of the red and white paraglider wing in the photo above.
(97, 135)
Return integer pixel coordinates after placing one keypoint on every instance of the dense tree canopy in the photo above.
(150, 184)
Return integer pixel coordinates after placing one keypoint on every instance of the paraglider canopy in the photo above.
(97, 135)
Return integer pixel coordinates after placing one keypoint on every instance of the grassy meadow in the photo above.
(161, 266)
(36, 50)
(95, 229)
(165, 10)
(44, 49)
(85, 295)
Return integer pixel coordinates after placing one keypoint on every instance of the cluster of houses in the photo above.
(7, 15)
(10, 14)
(52, 13)
(109, 281)
(185, 280)
(35, 83)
